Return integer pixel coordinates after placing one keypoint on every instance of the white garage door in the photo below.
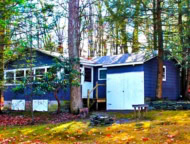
(124, 90)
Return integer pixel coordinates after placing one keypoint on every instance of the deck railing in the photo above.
(97, 99)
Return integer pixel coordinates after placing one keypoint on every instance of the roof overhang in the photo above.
(53, 54)
(123, 64)
(90, 64)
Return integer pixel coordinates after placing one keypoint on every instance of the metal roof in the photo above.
(124, 59)
(115, 60)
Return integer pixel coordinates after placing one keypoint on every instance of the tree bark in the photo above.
(187, 94)
(1, 66)
(90, 31)
(58, 101)
(160, 51)
(117, 40)
(184, 54)
(135, 46)
(73, 45)
(155, 26)
(2, 48)
(124, 38)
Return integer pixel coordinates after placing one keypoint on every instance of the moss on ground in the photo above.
(159, 127)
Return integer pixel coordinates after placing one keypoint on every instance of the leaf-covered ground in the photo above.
(160, 127)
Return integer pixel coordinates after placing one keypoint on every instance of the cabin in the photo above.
(118, 81)
(131, 79)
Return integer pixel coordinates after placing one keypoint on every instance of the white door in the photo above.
(125, 90)
(115, 93)
(134, 89)
(87, 81)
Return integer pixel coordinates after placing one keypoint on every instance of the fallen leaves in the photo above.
(145, 139)
(63, 117)
(8, 120)
(11, 120)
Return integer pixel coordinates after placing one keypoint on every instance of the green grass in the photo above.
(159, 127)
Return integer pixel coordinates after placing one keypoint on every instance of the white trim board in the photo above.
(124, 64)
(165, 71)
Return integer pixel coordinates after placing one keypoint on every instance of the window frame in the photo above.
(19, 77)
(100, 69)
(5, 76)
(22, 69)
(36, 75)
(164, 73)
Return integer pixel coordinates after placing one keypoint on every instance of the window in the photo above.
(87, 74)
(49, 69)
(28, 75)
(102, 72)
(66, 71)
(19, 75)
(39, 73)
(164, 73)
(9, 77)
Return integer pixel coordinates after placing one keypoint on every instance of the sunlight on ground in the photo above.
(70, 127)
(159, 127)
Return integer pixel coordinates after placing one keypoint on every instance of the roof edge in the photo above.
(123, 64)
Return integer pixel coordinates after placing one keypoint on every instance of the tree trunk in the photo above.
(184, 54)
(1, 70)
(124, 38)
(2, 47)
(58, 101)
(73, 45)
(117, 40)
(160, 51)
(1, 65)
(135, 46)
(155, 26)
(187, 94)
(90, 31)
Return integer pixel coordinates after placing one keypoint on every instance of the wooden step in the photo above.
(101, 100)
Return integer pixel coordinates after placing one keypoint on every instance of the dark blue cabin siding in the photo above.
(10, 95)
(150, 78)
(171, 87)
(40, 59)
(101, 89)
(123, 69)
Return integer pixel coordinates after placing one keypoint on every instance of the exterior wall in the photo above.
(101, 89)
(40, 59)
(52, 105)
(171, 87)
(9, 95)
(123, 69)
(150, 78)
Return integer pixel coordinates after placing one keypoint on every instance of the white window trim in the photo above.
(164, 79)
(99, 73)
(24, 69)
